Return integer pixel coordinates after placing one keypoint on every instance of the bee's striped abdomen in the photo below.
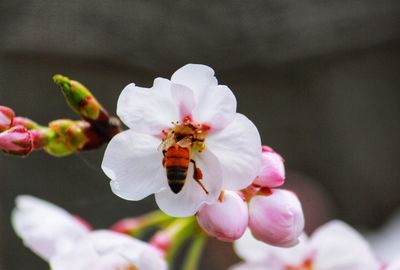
(176, 162)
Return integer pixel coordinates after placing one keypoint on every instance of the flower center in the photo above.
(179, 144)
(186, 135)
(306, 265)
(128, 267)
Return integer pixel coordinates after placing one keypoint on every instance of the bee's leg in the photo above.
(198, 175)
(164, 159)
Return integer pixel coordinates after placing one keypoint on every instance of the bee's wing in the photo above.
(166, 143)
(185, 142)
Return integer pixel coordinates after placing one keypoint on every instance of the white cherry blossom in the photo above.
(229, 158)
(333, 246)
(68, 244)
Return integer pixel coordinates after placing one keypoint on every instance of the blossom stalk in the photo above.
(137, 225)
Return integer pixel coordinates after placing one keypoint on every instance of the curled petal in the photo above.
(44, 227)
(188, 201)
(196, 77)
(217, 108)
(226, 219)
(238, 148)
(148, 110)
(276, 219)
(339, 246)
(134, 165)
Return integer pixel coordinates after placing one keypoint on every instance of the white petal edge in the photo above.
(134, 164)
(338, 246)
(148, 110)
(44, 227)
(217, 108)
(238, 149)
(188, 201)
(197, 77)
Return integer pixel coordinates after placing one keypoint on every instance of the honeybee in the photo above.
(177, 147)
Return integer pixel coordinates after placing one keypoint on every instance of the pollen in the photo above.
(128, 267)
(306, 265)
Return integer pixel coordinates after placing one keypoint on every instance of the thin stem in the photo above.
(180, 230)
(192, 260)
(135, 226)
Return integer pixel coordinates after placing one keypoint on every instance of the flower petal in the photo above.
(105, 250)
(183, 96)
(188, 201)
(134, 165)
(148, 110)
(238, 148)
(135, 251)
(338, 246)
(394, 265)
(197, 77)
(269, 265)
(217, 108)
(44, 227)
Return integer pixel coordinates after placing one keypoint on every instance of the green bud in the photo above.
(69, 137)
(79, 98)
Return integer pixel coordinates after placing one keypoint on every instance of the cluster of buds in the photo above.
(20, 135)
(273, 215)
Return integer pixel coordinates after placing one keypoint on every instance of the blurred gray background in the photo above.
(320, 79)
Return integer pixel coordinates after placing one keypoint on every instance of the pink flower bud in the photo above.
(162, 241)
(16, 140)
(83, 222)
(226, 219)
(127, 225)
(6, 118)
(272, 169)
(276, 219)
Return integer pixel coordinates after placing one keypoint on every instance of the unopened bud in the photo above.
(80, 99)
(127, 225)
(69, 137)
(6, 118)
(162, 241)
(17, 141)
(26, 122)
(272, 169)
(276, 219)
(226, 219)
